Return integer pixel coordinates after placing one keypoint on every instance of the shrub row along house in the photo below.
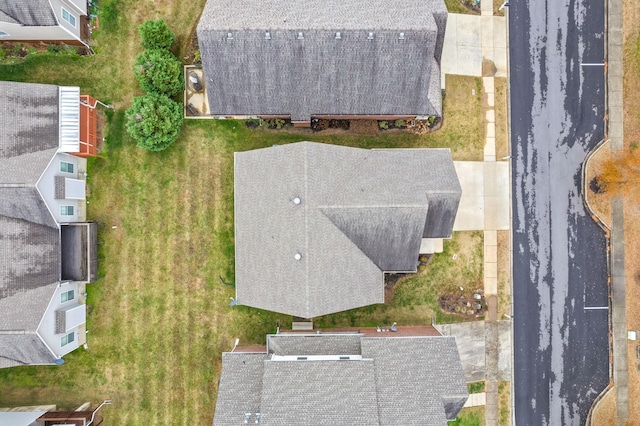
(51, 21)
(371, 59)
(47, 249)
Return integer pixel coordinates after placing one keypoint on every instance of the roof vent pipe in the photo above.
(370, 36)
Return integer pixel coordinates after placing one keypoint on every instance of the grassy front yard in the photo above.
(159, 317)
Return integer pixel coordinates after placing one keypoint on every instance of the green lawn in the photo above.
(474, 416)
(159, 316)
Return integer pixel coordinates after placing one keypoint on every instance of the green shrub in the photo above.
(400, 123)
(54, 48)
(154, 121)
(156, 34)
(383, 125)
(158, 71)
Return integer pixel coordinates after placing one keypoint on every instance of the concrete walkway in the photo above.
(476, 400)
(471, 41)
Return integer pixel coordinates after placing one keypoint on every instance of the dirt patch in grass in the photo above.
(504, 274)
(500, 99)
(365, 127)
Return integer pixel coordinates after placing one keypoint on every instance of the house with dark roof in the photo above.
(317, 226)
(47, 249)
(348, 378)
(376, 59)
(52, 21)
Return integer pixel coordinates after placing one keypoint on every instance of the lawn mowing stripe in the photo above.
(156, 286)
(139, 229)
(168, 315)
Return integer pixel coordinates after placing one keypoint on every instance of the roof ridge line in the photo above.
(305, 206)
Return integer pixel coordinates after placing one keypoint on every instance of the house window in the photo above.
(66, 167)
(66, 296)
(4, 34)
(68, 17)
(67, 339)
(66, 210)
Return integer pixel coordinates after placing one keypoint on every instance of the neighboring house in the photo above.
(323, 58)
(46, 415)
(47, 249)
(317, 226)
(358, 378)
(51, 21)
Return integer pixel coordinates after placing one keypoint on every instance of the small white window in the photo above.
(67, 339)
(66, 167)
(4, 34)
(67, 16)
(66, 296)
(66, 210)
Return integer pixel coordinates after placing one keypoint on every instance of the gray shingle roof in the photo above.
(23, 349)
(429, 366)
(314, 344)
(319, 393)
(28, 13)
(361, 213)
(241, 385)
(320, 14)
(398, 381)
(301, 68)
(28, 130)
(29, 235)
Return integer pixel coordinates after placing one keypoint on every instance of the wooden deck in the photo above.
(88, 127)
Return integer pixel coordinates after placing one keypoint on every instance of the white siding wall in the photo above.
(47, 329)
(63, 31)
(79, 5)
(57, 6)
(46, 186)
(17, 32)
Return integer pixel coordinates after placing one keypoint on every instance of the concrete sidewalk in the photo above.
(477, 46)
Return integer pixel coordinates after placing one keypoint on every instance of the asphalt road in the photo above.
(559, 254)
